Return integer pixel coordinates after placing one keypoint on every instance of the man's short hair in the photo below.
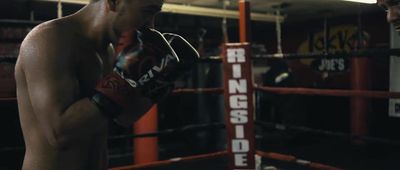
(93, 1)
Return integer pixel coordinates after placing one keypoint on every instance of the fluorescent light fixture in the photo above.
(195, 10)
(363, 1)
(215, 12)
(80, 2)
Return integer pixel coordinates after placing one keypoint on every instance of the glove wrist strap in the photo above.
(108, 107)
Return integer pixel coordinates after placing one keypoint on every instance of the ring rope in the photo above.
(368, 53)
(286, 90)
(20, 22)
(282, 127)
(371, 53)
(173, 160)
(199, 90)
(293, 159)
(199, 127)
(12, 149)
(119, 156)
(329, 92)
(11, 99)
(212, 59)
(8, 59)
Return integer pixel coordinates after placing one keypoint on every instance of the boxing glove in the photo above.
(188, 55)
(145, 58)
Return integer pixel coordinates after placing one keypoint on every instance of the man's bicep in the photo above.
(51, 92)
(51, 82)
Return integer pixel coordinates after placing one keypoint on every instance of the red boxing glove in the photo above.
(136, 69)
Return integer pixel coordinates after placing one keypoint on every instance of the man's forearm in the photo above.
(80, 120)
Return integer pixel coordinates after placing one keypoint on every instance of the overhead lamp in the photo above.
(80, 2)
(215, 12)
(363, 1)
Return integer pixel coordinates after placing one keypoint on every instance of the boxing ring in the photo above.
(223, 159)
(241, 152)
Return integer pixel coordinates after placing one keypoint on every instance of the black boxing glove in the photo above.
(188, 55)
(138, 67)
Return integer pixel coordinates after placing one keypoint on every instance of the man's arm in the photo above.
(49, 67)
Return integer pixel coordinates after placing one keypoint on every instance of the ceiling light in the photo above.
(214, 12)
(363, 1)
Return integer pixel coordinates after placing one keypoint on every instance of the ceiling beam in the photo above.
(196, 10)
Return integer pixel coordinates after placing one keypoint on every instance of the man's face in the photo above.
(133, 14)
(392, 7)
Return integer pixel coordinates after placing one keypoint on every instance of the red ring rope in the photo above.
(8, 99)
(199, 90)
(285, 90)
(330, 92)
(173, 160)
(293, 159)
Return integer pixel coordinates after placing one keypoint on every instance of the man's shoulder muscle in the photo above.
(48, 41)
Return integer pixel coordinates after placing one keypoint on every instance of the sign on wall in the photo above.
(340, 38)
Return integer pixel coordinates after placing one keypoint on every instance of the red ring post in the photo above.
(359, 81)
(239, 96)
(245, 20)
(239, 108)
(146, 149)
(359, 105)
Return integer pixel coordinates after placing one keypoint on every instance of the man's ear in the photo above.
(112, 5)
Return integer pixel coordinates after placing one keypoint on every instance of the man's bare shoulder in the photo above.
(50, 33)
(52, 39)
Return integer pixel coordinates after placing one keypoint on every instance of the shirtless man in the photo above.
(64, 122)
(392, 7)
